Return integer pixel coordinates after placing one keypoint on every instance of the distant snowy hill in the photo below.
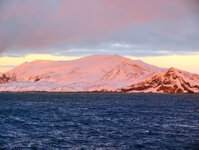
(92, 73)
(169, 81)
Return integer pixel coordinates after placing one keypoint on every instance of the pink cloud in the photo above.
(44, 23)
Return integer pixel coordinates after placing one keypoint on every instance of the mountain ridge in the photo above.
(169, 81)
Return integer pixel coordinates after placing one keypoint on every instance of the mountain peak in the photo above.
(40, 61)
(172, 69)
(104, 57)
(169, 81)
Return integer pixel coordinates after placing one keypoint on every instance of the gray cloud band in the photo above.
(114, 27)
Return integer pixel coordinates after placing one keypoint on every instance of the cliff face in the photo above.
(170, 81)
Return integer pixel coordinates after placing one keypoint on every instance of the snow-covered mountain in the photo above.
(169, 81)
(92, 73)
(105, 73)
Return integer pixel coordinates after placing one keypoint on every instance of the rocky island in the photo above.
(97, 73)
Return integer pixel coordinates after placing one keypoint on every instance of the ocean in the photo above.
(39, 120)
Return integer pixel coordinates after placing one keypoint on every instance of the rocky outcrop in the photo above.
(170, 81)
(4, 78)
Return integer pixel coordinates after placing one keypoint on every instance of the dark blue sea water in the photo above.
(98, 120)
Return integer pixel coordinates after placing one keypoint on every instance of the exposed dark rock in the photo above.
(5, 78)
(169, 82)
(138, 88)
(37, 79)
(186, 89)
(34, 79)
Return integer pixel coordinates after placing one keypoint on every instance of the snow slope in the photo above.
(169, 81)
(91, 73)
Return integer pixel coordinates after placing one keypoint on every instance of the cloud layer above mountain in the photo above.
(82, 27)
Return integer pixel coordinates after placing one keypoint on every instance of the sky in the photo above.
(161, 32)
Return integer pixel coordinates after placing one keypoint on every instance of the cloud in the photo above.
(76, 27)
